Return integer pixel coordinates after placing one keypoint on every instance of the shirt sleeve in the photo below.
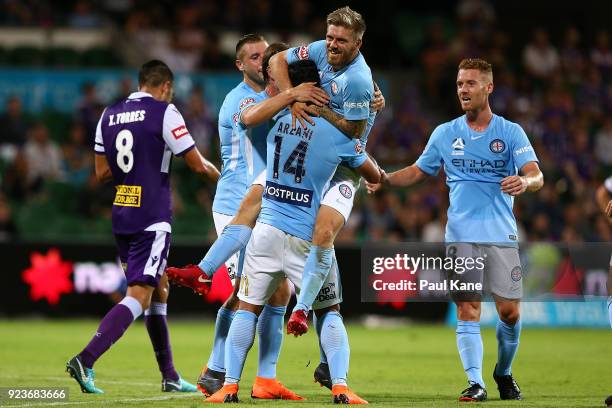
(245, 103)
(608, 184)
(175, 132)
(430, 160)
(351, 151)
(99, 144)
(314, 51)
(356, 97)
(522, 151)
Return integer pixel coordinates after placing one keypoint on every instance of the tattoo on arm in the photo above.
(351, 128)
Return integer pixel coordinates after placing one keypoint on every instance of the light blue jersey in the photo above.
(300, 164)
(232, 184)
(475, 164)
(252, 140)
(351, 89)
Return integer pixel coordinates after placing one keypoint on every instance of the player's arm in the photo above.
(604, 200)
(378, 103)
(351, 128)
(405, 177)
(265, 110)
(531, 179)
(198, 164)
(103, 171)
(370, 171)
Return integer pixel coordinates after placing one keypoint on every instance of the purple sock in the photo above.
(112, 327)
(157, 326)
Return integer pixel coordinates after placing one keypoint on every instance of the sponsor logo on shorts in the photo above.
(180, 132)
(128, 196)
(497, 146)
(516, 274)
(345, 190)
(334, 87)
(288, 195)
(327, 292)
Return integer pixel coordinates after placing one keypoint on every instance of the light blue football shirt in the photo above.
(232, 184)
(351, 89)
(300, 163)
(475, 164)
(252, 140)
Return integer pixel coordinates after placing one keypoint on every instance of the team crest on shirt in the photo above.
(497, 146)
(516, 274)
(245, 102)
(301, 52)
(334, 88)
(345, 190)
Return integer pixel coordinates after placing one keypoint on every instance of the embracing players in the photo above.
(483, 155)
(135, 141)
(300, 162)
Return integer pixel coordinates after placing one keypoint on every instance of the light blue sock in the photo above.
(318, 323)
(270, 334)
(239, 341)
(610, 309)
(316, 269)
(507, 345)
(216, 361)
(334, 340)
(469, 344)
(232, 239)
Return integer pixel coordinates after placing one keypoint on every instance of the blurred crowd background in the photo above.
(552, 74)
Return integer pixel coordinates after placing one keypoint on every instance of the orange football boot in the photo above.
(271, 388)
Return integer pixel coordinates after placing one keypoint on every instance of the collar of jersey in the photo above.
(139, 94)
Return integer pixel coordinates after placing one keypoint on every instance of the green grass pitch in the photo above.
(393, 367)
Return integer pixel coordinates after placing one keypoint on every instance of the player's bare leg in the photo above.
(318, 264)
(234, 238)
(333, 340)
(508, 334)
(469, 343)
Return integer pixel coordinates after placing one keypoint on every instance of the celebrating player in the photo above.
(481, 153)
(300, 161)
(242, 129)
(135, 141)
(346, 77)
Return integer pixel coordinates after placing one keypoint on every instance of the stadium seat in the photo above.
(100, 57)
(62, 57)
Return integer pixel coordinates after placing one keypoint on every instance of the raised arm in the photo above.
(351, 128)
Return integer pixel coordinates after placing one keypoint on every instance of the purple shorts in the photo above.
(143, 256)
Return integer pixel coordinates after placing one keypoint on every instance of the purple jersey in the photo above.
(138, 136)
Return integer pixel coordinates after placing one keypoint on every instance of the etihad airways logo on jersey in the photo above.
(356, 105)
(288, 195)
(479, 166)
(180, 132)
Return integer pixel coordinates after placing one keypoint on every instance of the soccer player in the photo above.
(481, 153)
(134, 144)
(346, 77)
(242, 129)
(300, 162)
(604, 200)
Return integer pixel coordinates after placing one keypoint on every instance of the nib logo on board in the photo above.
(48, 276)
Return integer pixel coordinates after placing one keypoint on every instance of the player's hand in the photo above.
(514, 185)
(300, 112)
(609, 209)
(378, 103)
(374, 187)
(309, 92)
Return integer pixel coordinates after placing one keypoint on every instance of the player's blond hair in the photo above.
(347, 18)
(476, 63)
